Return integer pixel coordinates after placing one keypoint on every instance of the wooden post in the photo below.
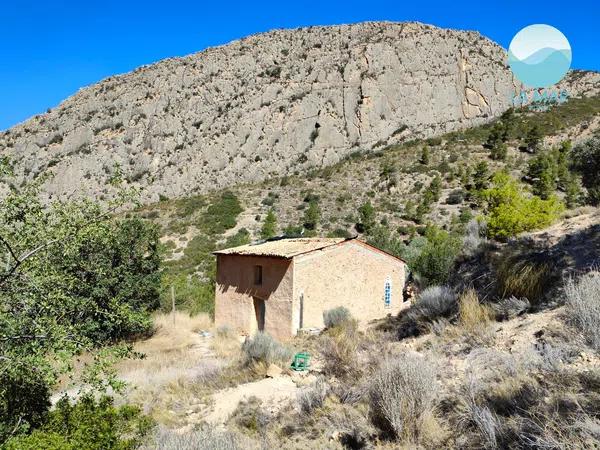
(173, 303)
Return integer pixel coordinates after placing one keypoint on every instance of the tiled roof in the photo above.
(282, 248)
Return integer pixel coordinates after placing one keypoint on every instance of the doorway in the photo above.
(259, 311)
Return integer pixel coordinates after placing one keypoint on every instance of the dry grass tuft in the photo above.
(474, 317)
(583, 300)
(339, 350)
(521, 277)
(402, 397)
(226, 343)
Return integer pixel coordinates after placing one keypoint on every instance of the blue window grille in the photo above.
(387, 293)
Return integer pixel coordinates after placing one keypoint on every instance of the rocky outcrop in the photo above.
(266, 105)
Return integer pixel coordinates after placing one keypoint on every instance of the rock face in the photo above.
(266, 105)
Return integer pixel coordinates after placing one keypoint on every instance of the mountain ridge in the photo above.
(266, 105)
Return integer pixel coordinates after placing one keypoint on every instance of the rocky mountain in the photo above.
(267, 105)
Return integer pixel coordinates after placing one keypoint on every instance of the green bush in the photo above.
(242, 237)
(585, 159)
(221, 215)
(87, 424)
(510, 211)
(436, 258)
(269, 227)
(191, 293)
(72, 277)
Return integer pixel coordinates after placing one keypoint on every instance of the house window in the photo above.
(258, 275)
(387, 293)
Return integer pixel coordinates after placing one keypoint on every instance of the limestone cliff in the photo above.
(266, 105)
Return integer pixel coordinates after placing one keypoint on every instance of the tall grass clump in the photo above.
(523, 277)
(339, 349)
(473, 316)
(336, 316)
(583, 300)
(402, 395)
(262, 348)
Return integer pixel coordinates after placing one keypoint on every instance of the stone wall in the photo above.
(351, 275)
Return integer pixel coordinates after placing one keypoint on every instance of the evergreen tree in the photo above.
(499, 151)
(311, 217)
(533, 139)
(572, 191)
(366, 214)
(435, 188)
(269, 227)
(481, 176)
(425, 157)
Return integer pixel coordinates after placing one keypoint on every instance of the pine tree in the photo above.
(366, 215)
(499, 151)
(311, 217)
(572, 191)
(425, 159)
(481, 176)
(269, 227)
(533, 139)
(436, 188)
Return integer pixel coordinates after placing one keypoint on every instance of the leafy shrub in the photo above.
(191, 294)
(73, 276)
(455, 197)
(436, 259)
(336, 316)
(87, 424)
(262, 348)
(510, 212)
(241, 237)
(402, 393)
(221, 215)
(269, 227)
(583, 300)
(585, 159)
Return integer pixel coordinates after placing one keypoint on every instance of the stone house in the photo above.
(283, 286)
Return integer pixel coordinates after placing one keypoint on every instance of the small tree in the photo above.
(366, 217)
(510, 211)
(499, 151)
(435, 188)
(585, 160)
(437, 257)
(425, 158)
(533, 139)
(312, 216)
(481, 176)
(269, 227)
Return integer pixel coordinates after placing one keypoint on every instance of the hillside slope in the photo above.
(269, 104)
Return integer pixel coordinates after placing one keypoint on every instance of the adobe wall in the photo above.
(235, 288)
(350, 275)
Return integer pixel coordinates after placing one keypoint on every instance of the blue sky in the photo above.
(48, 50)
